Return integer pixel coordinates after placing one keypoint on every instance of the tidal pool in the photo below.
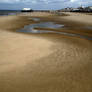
(89, 27)
(35, 19)
(31, 29)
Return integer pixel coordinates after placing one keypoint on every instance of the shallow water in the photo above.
(30, 29)
(35, 19)
(75, 35)
(45, 25)
(89, 27)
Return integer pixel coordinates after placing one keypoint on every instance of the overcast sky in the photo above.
(42, 4)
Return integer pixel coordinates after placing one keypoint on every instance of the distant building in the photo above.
(88, 9)
(74, 10)
(79, 9)
(68, 9)
(27, 10)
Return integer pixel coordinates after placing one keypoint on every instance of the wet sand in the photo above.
(42, 62)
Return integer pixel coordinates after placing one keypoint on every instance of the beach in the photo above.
(45, 62)
(79, 17)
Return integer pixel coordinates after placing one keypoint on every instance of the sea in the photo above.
(9, 12)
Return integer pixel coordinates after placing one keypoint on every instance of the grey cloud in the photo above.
(42, 4)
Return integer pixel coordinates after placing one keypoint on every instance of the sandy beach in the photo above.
(45, 62)
(79, 17)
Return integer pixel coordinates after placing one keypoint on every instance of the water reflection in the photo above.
(89, 27)
(30, 29)
(35, 19)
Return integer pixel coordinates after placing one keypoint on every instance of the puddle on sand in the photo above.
(75, 35)
(35, 19)
(89, 27)
(45, 25)
(30, 29)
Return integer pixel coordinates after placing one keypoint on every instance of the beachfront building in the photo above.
(88, 9)
(68, 9)
(75, 10)
(79, 9)
(85, 9)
